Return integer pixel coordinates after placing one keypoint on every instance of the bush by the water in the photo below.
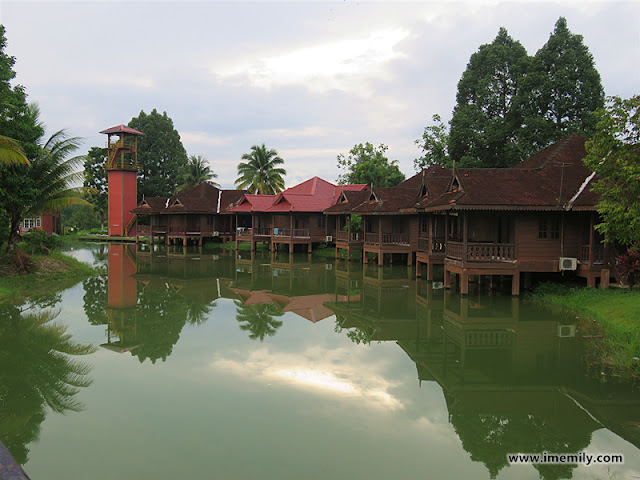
(40, 242)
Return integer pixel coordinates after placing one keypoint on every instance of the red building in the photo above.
(122, 170)
(47, 222)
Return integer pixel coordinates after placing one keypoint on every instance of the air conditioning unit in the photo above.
(566, 331)
(437, 285)
(328, 238)
(216, 234)
(568, 263)
(328, 266)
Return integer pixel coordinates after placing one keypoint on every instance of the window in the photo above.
(28, 223)
(424, 225)
(549, 227)
(37, 221)
(321, 221)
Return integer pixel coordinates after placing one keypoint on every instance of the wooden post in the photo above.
(430, 246)
(380, 258)
(464, 237)
(430, 271)
(464, 283)
(604, 278)
(447, 278)
(591, 243)
(515, 283)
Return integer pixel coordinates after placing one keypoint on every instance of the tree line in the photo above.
(508, 106)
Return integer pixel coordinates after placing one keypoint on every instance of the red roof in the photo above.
(254, 203)
(122, 129)
(313, 195)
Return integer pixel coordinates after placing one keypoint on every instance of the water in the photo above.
(207, 366)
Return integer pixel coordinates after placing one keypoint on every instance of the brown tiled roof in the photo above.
(409, 195)
(203, 198)
(353, 199)
(547, 181)
(150, 205)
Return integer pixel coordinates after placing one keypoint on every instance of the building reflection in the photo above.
(513, 378)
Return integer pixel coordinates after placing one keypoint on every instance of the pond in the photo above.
(210, 365)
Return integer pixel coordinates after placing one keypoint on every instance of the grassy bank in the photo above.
(613, 314)
(51, 273)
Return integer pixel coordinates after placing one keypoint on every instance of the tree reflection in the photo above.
(96, 299)
(258, 319)
(490, 436)
(37, 372)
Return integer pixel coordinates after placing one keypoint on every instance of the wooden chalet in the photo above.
(292, 217)
(535, 217)
(390, 218)
(193, 215)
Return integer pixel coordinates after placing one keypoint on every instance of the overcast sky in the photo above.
(310, 79)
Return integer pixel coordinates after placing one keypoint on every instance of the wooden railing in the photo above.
(349, 236)
(387, 238)
(481, 251)
(160, 228)
(431, 246)
(454, 250)
(487, 338)
(296, 232)
(143, 229)
(598, 253)
(262, 231)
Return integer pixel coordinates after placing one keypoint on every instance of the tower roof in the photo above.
(122, 129)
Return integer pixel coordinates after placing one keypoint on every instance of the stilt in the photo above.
(409, 259)
(605, 275)
(380, 258)
(464, 283)
(365, 257)
(309, 248)
(447, 278)
(591, 280)
(515, 284)
(430, 271)
(418, 269)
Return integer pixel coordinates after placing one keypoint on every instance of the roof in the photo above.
(403, 198)
(203, 198)
(254, 203)
(313, 195)
(553, 179)
(121, 129)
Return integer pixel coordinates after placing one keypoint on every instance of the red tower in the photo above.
(122, 169)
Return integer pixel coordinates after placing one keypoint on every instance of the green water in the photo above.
(206, 366)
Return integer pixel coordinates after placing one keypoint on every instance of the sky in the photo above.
(310, 79)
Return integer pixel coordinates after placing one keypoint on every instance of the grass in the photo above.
(613, 313)
(51, 274)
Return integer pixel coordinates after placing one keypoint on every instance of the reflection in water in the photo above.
(258, 319)
(37, 372)
(512, 377)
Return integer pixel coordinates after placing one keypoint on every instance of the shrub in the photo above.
(39, 241)
(629, 265)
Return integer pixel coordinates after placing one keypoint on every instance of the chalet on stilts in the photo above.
(196, 214)
(535, 217)
(390, 219)
(292, 217)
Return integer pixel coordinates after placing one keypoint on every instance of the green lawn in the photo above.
(52, 273)
(613, 313)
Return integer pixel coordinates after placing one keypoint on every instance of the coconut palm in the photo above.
(258, 319)
(38, 374)
(11, 152)
(47, 183)
(196, 171)
(261, 173)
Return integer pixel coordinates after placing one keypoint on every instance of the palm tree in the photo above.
(196, 171)
(261, 172)
(46, 184)
(38, 374)
(258, 319)
(11, 152)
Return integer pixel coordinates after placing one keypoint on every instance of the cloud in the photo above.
(347, 65)
(318, 370)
